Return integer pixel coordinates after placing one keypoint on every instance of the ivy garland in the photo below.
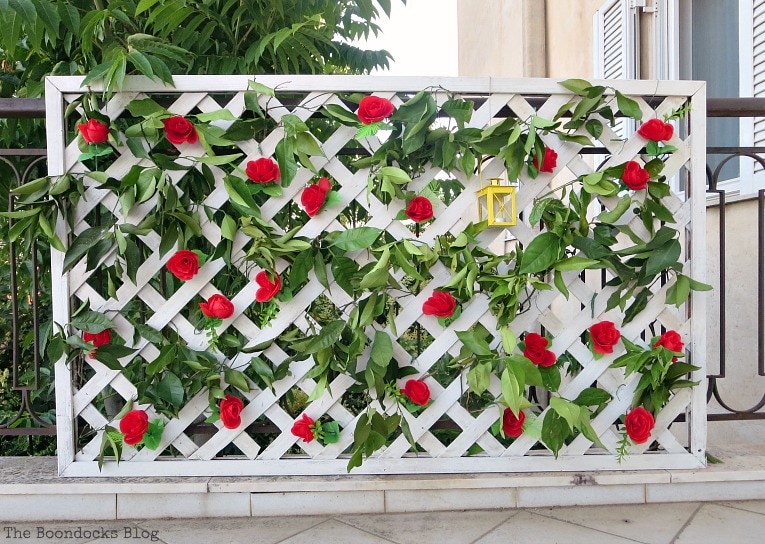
(422, 133)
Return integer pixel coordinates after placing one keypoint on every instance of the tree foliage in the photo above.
(157, 38)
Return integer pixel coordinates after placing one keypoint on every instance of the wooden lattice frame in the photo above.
(193, 92)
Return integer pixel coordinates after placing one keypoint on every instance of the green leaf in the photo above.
(541, 253)
(679, 292)
(592, 396)
(475, 343)
(560, 283)
(328, 336)
(153, 436)
(395, 175)
(611, 216)
(512, 393)
(218, 160)
(382, 349)
(144, 108)
(356, 238)
(479, 377)
(165, 357)
(170, 389)
(86, 240)
(260, 88)
(555, 431)
(219, 115)
(566, 409)
(576, 86)
(331, 432)
(237, 379)
(508, 339)
(628, 107)
(93, 322)
(662, 258)
(575, 263)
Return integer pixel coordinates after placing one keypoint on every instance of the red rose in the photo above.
(267, 289)
(133, 426)
(230, 410)
(263, 170)
(94, 131)
(217, 306)
(302, 428)
(536, 350)
(179, 130)
(184, 264)
(417, 391)
(672, 341)
(604, 337)
(635, 177)
(97, 339)
(373, 109)
(656, 130)
(314, 196)
(639, 423)
(440, 304)
(419, 209)
(512, 426)
(549, 161)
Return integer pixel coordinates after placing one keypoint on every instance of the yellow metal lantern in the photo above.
(496, 203)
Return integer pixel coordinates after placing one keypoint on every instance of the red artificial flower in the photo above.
(178, 130)
(639, 424)
(419, 209)
(217, 306)
(184, 264)
(672, 341)
(230, 410)
(263, 170)
(267, 289)
(549, 161)
(314, 196)
(536, 350)
(656, 130)
(97, 339)
(302, 428)
(635, 177)
(440, 304)
(604, 337)
(133, 426)
(512, 425)
(94, 131)
(373, 109)
(417, 391)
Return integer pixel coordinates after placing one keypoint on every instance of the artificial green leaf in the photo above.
(356, 238)
(541, 253)
(170, 389)
(475, 343)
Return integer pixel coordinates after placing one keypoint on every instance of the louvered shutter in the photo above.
(752, 68)
(616, 51)
(615, 41)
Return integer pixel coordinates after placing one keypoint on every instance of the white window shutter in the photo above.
(615, 27)
(752, 75)
(616, 48)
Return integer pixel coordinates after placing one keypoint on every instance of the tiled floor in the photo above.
(677, 523)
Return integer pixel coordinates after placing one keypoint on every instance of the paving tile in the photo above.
(230, 530)
(74, 532)
(167, 505)
(431, 527)
(336, 533)
(425, 500)
(751, 506)
(648, 523)
(530, 528)
(714, 523)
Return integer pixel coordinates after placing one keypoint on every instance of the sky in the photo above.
(421, 36)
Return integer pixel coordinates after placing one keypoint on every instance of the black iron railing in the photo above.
(24, 366)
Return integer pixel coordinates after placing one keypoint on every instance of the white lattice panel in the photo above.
(237, 451)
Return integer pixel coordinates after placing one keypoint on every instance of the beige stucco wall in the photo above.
(493, 38)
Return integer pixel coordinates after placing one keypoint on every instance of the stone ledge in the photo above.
(27, 481)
